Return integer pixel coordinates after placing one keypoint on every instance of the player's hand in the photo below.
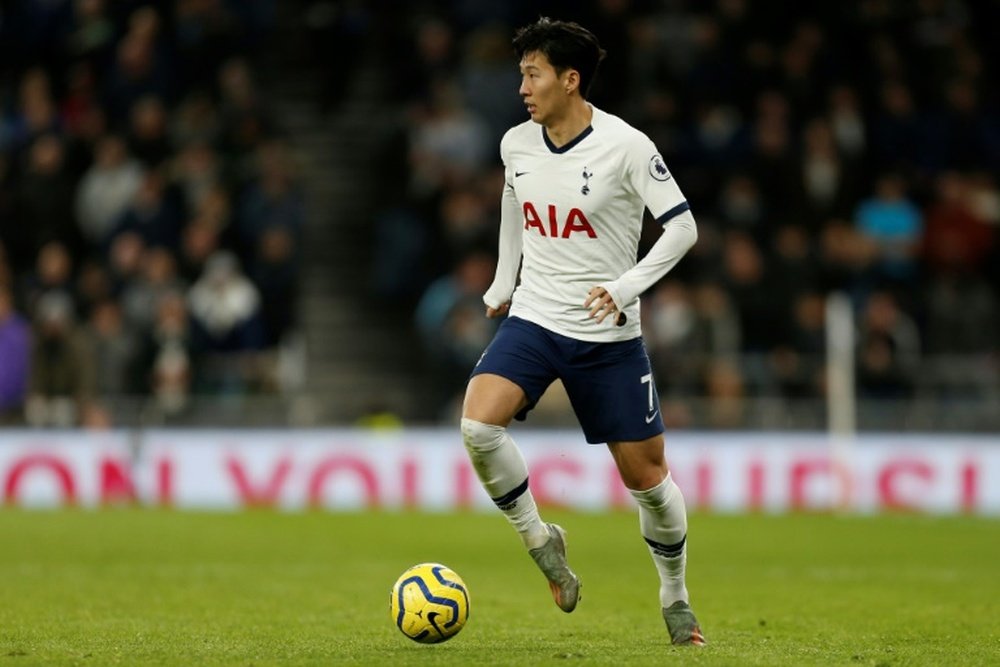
(600, 303)
(497, 312)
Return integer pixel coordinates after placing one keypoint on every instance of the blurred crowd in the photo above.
(150, 217)
(826, 147)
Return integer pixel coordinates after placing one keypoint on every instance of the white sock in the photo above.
(663, 523)
(504, 475)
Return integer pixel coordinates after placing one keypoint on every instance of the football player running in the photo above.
(578, 181)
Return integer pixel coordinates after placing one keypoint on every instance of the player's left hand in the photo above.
(600, 303)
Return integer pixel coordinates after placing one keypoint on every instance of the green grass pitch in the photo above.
(146, 587)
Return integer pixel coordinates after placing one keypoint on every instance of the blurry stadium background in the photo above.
(242, 250)
(282, 215)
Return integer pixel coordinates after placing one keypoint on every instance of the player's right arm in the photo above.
(497, 297)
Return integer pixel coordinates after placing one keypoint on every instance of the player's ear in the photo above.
(571, 81)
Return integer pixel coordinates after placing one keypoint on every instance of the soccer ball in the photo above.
(429, 603)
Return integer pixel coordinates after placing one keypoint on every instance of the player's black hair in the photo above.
(567, 45)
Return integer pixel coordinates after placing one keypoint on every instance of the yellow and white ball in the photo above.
(429, 603)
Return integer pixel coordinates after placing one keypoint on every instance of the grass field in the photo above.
(135, 587)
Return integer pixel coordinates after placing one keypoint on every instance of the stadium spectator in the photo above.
(197, 172)
(894, 224)
(888, 349)
(689, 327)
(125, 259)
(720, 335)
(168, 356)
(962, 315)
(752, 292)
(92, 37)
(849, 126)
(274, 269)
(155, 212)
(44, 198)
(155, 278)
(271, 199)
(448, 142)
(897, 133)
(6, 270)
(846, 258)
(742, 208)
(226, 326)
(15, 349)
(465, 219)
(487, 80)
(430, 57)
(245, 119)
(195, 120)
(825, 181)
(799, 370)
(402, 242)
(93, 285)
(53, 274)
(107, 190)
(62, 379)
(139, 71)
(78, 107)
(670, 328)
(955, 238)
(792, 261)
(7, 232)
(114, 348)
(35, 114)
(206, 33)
(200, 238)
(726, 392)
(969, 136)
(449, 317)
(148, 137)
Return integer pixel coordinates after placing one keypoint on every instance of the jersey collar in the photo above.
(568, 145)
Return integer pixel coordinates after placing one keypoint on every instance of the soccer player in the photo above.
(577, 183)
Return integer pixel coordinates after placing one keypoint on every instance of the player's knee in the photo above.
(659, 496)
(643, 477)
(480, 437)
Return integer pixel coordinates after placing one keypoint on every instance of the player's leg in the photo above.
(613, 394)
(491, 401)
(509, 379)
(663, 524)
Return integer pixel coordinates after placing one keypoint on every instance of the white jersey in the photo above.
(575, 214)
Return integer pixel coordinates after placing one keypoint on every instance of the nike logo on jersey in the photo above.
(520, 173)
(651, 417)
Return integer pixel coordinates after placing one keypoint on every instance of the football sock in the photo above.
(663, 523)
(504, 474)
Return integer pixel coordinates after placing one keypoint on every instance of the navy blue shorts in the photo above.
(610, 385)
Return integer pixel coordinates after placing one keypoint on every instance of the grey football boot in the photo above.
(682, 625)
(551, 560)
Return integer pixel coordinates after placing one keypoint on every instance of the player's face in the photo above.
(543, 90)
